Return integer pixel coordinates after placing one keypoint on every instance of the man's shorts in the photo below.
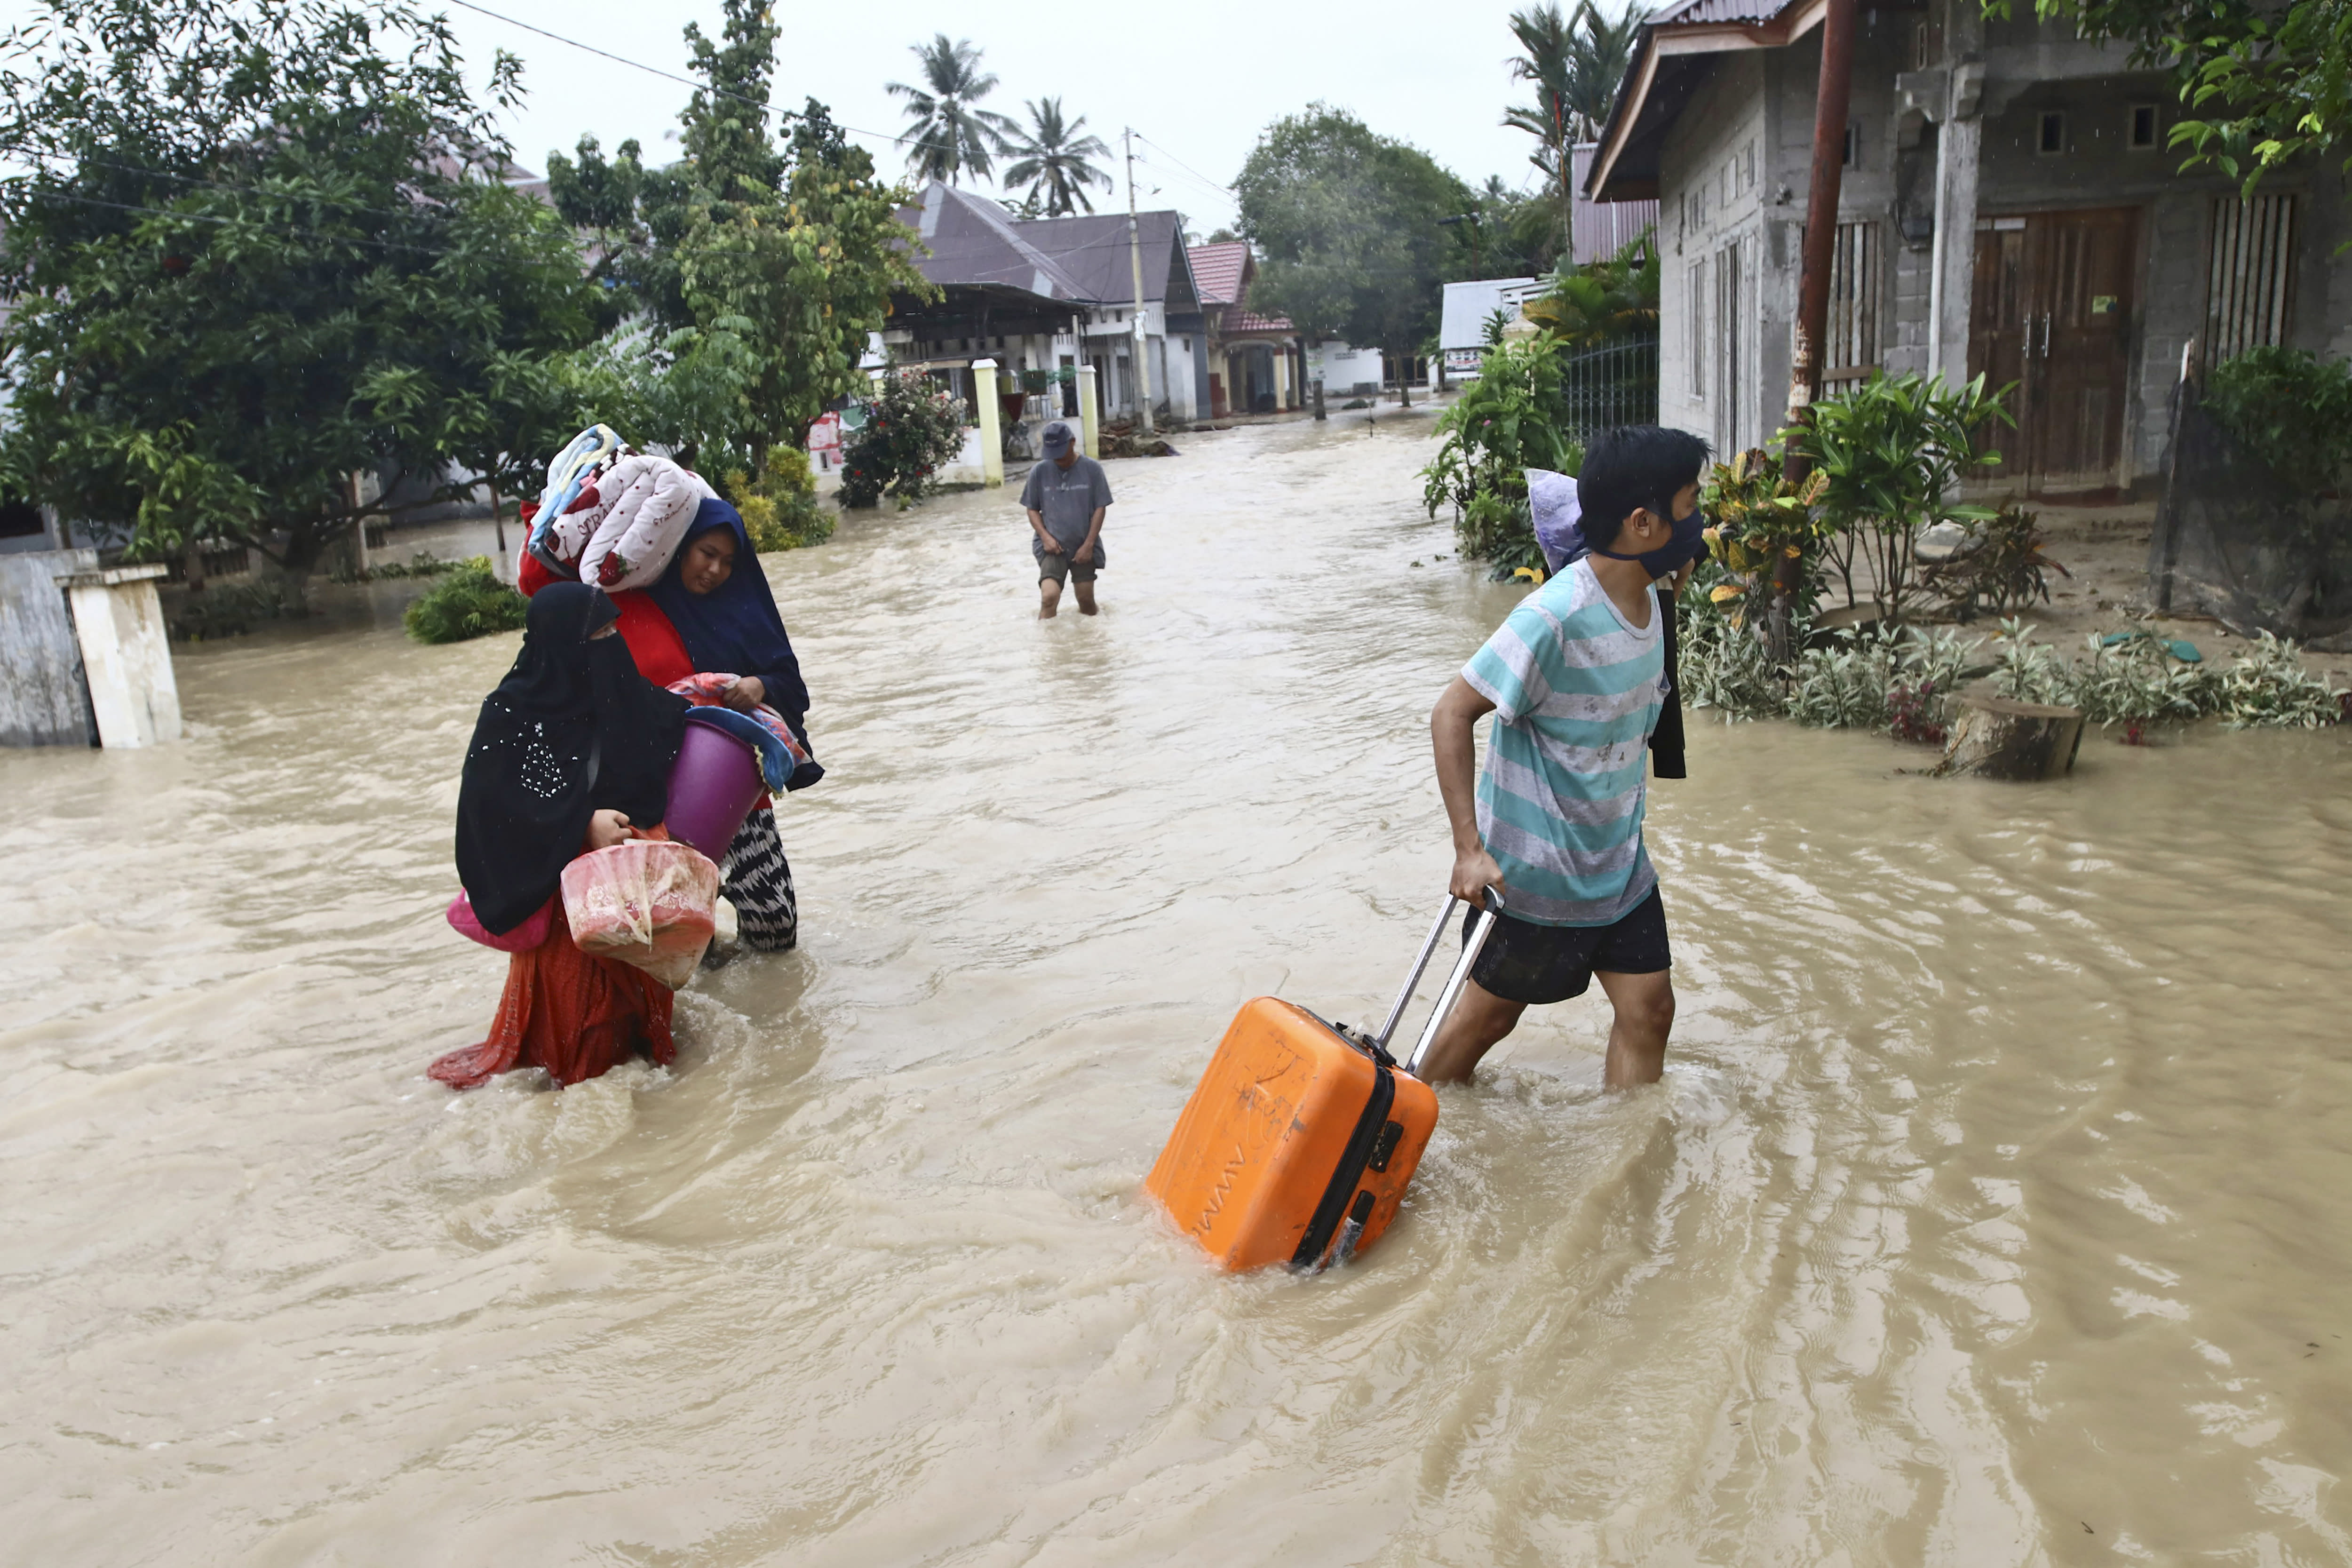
(1054, 567)
(1523, 962)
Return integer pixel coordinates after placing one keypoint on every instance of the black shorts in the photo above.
(1524, 962)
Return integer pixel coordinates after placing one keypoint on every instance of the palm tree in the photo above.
(1576, 63)
(1053, 160)
(950, 136)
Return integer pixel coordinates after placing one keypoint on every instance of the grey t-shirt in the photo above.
(1066, 498)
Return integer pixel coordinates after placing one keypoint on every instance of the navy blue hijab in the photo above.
(736, 627)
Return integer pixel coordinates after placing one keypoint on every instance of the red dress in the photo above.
(577, 1015)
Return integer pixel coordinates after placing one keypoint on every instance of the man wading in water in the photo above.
(1066, 496)
(1575, 678)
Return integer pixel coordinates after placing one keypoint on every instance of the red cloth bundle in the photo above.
(648, 902)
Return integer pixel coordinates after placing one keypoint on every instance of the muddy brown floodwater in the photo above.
(1996, 1207)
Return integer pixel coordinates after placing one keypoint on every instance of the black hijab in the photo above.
(572, 730)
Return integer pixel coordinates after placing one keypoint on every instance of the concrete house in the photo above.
(1257, 363)
(1047, 294)
(2008, 207)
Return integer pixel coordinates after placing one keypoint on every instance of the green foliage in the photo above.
(1896, 680)
(2137, 680)
(781, 512)
(1346, 225)
(1760, 519)
(2265, 83)
(1575, 63)
(1893, 448)
(779, 260)
(1998, 569)
(1602, 302)
(424, 563)
(255, 250)
(470, 602)
(948, 134)
(912, 430)
(2267, 687)
(1511, 419)
(2291, 410)
(230, 611)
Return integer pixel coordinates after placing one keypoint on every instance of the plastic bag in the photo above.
(648, 902)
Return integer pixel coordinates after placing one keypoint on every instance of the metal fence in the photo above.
(1613, 385)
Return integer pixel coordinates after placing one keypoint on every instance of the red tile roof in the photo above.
(1239, 321)
(1217, 270)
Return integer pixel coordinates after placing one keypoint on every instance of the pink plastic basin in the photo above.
(713, 786)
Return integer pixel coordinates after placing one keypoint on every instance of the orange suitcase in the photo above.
(1298, 1144)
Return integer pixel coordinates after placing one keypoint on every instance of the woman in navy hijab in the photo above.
(718, 598)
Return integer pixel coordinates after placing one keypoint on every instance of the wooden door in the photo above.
(2053, 310)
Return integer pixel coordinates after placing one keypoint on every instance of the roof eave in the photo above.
(1660, 41)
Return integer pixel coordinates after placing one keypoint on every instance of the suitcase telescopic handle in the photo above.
(1493, 902)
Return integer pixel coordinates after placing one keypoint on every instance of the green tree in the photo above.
(950, 136)
(1349, 229)
(258, 253)
(1051, 160)
(1575, 62)
(600, 197)
(2264, 83)
(779, 260)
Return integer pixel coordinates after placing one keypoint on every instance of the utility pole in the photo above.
(1135, 260)
(1819, 255)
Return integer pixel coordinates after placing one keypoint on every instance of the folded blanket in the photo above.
(644, 505)
(567, 472)
(785, 763)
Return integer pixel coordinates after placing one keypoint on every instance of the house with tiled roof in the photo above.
(1041, 296)
(1257, 363)
(2008, 207)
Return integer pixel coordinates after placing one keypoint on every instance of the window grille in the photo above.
(1698, 333)
(1853, 329)
(2250, 275)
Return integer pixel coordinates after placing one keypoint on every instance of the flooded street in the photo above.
(1997, 1206)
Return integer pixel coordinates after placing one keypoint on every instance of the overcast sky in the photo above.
(1199, 80)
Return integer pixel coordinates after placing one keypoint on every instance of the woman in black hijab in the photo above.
(571, 752)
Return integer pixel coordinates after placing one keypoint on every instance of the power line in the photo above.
(1183, 165)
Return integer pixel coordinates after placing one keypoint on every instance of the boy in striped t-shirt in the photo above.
(1575, 678)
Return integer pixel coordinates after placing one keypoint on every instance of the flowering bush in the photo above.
(913, 429)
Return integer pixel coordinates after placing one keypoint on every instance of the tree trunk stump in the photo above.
(1997, 737)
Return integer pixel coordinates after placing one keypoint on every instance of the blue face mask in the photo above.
(1688, 539)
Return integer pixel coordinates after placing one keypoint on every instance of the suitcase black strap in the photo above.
(1349, 1172)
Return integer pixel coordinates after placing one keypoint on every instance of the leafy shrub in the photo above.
(1999, 569)
(1723, 664)
(2291, 409)
(2135, 678)
(912, 431)
(2266, 685)
(1897, 680)
(469, 602)
(1893, 448)
(231, 611)
(424, 563)
(781, 512)
(1760, 519)
(1511, 419)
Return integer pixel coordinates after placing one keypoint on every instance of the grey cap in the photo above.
(1058, 438)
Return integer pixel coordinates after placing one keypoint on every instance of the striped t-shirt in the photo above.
(1577, 691)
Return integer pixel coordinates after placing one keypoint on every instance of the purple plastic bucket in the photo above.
(713, 786)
